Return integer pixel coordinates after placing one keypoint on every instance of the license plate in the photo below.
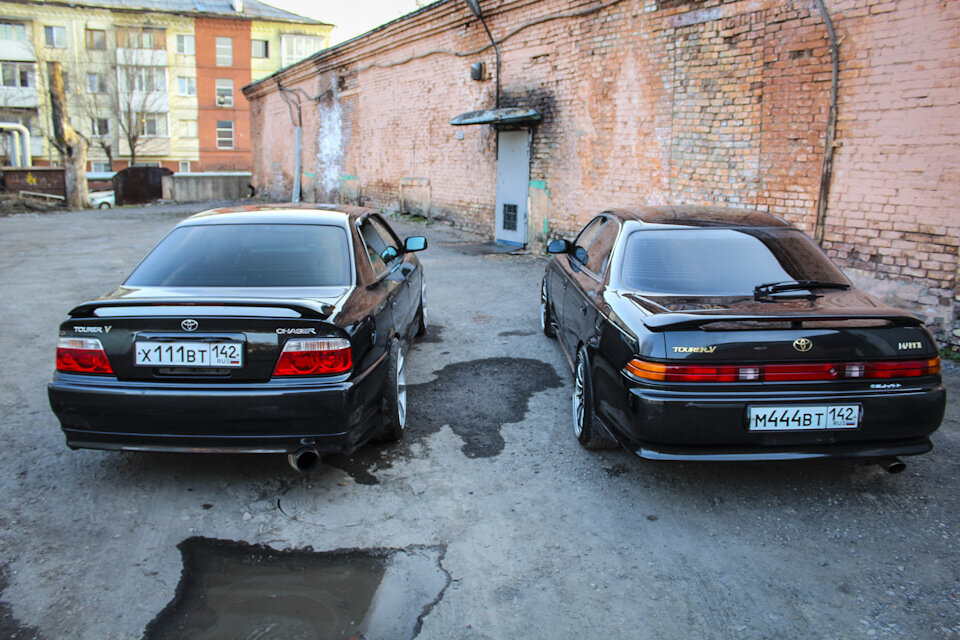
(189, 354)
(804, 418)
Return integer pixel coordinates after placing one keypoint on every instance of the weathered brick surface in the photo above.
(656, 101)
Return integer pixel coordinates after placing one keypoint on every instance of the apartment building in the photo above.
(147, 82)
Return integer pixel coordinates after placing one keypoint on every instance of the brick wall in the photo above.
(648, 102)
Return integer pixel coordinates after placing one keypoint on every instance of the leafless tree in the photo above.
(139, 100)
(71, 145)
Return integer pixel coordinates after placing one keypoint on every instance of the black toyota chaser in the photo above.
(717, 334)
(276, 329)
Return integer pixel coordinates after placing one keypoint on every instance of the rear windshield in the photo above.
(247, 255)
(721, 262)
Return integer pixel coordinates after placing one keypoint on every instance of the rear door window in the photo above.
(247, 255)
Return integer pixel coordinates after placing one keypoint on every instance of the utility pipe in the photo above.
(21, 144)
(475, 8)
(830, 139)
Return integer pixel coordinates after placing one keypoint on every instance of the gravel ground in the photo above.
(537, 537)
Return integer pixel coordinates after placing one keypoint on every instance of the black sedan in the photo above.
(276, 329)
(700, 333)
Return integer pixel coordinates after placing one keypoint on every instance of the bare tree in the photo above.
(139, 102)
(71, 145)
(97, 103)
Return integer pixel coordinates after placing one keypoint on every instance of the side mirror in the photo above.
(558, 246)
(415, 243)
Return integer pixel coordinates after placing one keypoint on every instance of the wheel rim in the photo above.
(401, 390)
(578, 399)
(543, 306)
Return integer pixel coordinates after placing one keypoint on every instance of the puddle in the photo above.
(474, 398)
(433, 335)
(516, 332)
(10, 627)
(236, 590)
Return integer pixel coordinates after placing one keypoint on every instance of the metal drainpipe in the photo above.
(298, 150)
(829, 142)
(20, 143)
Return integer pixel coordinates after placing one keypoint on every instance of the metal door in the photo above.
(513, 179)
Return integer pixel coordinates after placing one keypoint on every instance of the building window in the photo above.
(55, 37)
(259, 49)
(96, 83)
(141, 38)
(13, 31)
(100, 126)
(188, 128)
(295, 48)
(224, 51)
(187, 85)
(17, 74)
(154, 125)
(224, 134)
(148, 79)
(146, 164)
(100, 167)
(185, 44)
(184, 166)
(224, 93)
(96, 39)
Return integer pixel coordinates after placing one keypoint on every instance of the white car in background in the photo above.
(102, 199)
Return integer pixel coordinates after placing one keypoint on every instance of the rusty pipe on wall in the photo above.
(830, 138)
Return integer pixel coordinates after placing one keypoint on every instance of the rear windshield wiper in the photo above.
(769, 288)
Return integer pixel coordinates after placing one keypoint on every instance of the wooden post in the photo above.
(72, 146)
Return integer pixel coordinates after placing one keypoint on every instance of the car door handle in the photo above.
(564, 285)
(583, 308)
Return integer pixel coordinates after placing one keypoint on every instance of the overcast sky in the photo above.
(352, 17)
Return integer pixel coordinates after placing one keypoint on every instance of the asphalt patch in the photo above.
(516, 332)
(475, 399)
(232, 589)
(10, 628)
(482, 248)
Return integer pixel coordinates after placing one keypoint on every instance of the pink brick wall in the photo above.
(647, 102)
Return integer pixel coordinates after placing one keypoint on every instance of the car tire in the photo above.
(588, 430)
(394, 410)
(104, 205)
(422, 311)
(546, 320)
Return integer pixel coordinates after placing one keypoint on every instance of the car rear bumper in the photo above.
(681, 425)
(277, 416)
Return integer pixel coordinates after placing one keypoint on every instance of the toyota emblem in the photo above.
(802, 344)
(191, 325)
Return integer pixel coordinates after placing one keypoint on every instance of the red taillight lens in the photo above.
(314, 357)
(82, 355)
(803, 372)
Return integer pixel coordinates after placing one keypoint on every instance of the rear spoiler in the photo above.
(662, 321)
(306, 309)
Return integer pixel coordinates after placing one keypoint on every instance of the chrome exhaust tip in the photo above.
(305, 460)
(892, 465)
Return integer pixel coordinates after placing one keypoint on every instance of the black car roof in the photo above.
(282, 213)
(699, 216)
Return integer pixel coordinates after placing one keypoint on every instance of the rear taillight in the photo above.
(82, 355)
(314, 357)
(820, 371)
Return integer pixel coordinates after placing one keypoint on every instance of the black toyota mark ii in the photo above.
(717, 334)
(255, 329)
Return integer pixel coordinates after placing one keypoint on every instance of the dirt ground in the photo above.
(489, 516)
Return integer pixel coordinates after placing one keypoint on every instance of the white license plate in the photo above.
(804, 418)
(188, 354)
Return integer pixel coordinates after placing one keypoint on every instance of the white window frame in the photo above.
(100, 166)
(16, 31)
(96, 83)
(186, 44)
(266, 49)
(95, 127)
(51, 33)
(18, 69)
(297, 47)
(231, 129)
(187, 86)
(159, 121)
(189, 129)
(149, 79)
(224, 51)
(184, 166)
(224, 92)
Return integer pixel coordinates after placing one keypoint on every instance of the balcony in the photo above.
(24, 97)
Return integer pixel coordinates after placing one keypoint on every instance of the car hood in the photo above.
(659, 311)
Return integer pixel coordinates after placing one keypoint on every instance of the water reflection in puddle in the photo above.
(235, 590)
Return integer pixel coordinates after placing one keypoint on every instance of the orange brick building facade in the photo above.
(651, 102)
